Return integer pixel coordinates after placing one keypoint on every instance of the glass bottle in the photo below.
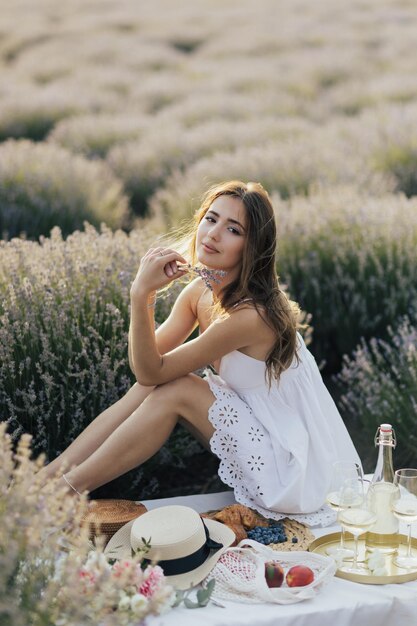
(382, 493)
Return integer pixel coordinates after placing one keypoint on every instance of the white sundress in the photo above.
(276, 447)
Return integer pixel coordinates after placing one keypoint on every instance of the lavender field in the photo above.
(122, 114)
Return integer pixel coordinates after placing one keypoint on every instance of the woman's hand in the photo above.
(158, 267)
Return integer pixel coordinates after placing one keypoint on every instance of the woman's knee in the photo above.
(176, 391)
(190, 398)
(173, 386)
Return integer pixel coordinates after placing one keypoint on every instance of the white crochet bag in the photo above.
(240, 574)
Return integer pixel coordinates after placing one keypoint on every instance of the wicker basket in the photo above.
(293, 528)
(105, 517)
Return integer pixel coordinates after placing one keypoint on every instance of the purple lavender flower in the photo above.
(208, 276)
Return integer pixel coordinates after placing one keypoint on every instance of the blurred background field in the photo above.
(123, 114)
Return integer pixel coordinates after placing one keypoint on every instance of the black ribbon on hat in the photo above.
(188, 563)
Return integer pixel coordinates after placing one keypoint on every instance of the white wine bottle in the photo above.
(383, 494)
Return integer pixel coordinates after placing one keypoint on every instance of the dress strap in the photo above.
(243, 300)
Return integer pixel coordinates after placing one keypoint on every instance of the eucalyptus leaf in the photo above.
(203, 595)
(190, 604)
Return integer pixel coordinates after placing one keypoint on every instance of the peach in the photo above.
(299, 576)
(274, 574)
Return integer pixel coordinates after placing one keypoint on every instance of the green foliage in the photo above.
(351, 261)
(202, 596)
(64, 314)
(379, 385)
(42, 186)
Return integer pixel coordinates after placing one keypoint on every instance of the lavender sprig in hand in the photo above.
(209, 276)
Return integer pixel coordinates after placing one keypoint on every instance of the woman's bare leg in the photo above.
(141, 435)
(100, 428)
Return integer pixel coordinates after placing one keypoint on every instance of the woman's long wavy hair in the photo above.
(258, 279)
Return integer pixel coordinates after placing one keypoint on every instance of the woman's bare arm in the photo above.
(179, 324)
(241, 329)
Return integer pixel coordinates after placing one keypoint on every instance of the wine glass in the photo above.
(357, 519)
(342, 471)
(405, 509)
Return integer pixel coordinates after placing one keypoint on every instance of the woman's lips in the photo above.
(208, 249)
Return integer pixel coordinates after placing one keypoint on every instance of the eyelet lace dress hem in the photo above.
(243, 446)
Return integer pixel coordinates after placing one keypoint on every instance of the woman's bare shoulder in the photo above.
(248, 304)
(262, 334)
(195, 290)
(247, 311)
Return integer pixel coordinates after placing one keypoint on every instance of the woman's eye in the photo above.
(230, 228)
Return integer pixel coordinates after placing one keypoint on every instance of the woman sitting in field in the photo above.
(267, 413)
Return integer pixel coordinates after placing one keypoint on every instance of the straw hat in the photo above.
(182, 543)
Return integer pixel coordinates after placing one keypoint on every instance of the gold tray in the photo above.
(395, 574)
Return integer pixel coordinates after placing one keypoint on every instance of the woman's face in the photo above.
(221, 235)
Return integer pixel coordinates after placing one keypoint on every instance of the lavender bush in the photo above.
(144, 164)
(50, 574)
(385, 138)
(379, 384)
(351, 261)
(63, 340)
(42, 186)
(297, 65)
(94, 135)
(90, 75)
(26, 115)
(289, 166)
(189, 65)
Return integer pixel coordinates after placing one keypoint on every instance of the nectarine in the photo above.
(299, 576)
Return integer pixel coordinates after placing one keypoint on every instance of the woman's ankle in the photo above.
(72, 488)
